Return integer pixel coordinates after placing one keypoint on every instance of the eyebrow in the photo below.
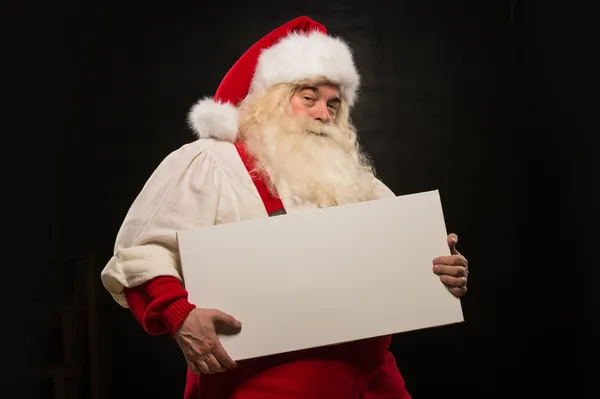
(315, 89)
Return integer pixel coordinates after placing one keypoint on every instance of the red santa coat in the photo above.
(207, 183)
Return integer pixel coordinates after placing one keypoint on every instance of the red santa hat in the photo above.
(300, 49)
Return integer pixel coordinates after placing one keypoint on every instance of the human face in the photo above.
(319, 102)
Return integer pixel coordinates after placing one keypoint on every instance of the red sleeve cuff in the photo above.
(160, 305)
(175, 314)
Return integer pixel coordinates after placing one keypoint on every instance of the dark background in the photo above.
(485, 101)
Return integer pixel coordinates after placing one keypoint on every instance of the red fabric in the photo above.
(335, 372)
(271, 202)
(387, 382)
(160, 305)
(235, 85)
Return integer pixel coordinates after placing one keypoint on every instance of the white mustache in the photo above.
(320, 129)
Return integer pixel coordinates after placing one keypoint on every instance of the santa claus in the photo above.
(276, 138)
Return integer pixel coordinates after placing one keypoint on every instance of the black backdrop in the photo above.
(466, 97)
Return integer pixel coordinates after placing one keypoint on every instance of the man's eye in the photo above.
(308, 99)
(333, 106)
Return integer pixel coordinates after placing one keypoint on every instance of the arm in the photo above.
(144, 272)
(159, 305)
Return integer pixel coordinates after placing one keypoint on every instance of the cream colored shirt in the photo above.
(203, 183)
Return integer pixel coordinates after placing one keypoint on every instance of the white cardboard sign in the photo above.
(325, 276)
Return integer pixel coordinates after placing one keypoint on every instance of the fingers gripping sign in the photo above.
(197, 337)
(453, 270)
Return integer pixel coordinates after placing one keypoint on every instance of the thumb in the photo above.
(452, 241)
(224, 319)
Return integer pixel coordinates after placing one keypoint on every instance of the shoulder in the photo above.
(218, 150)
(196, 166)
(203, 146)
(204, 151)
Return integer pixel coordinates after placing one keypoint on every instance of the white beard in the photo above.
(314, 162)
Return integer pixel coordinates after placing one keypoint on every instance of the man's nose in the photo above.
(321, 113)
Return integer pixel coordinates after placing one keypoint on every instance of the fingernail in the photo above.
(436, 268)
(436, 261)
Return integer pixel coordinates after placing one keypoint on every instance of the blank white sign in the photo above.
(322, 277)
